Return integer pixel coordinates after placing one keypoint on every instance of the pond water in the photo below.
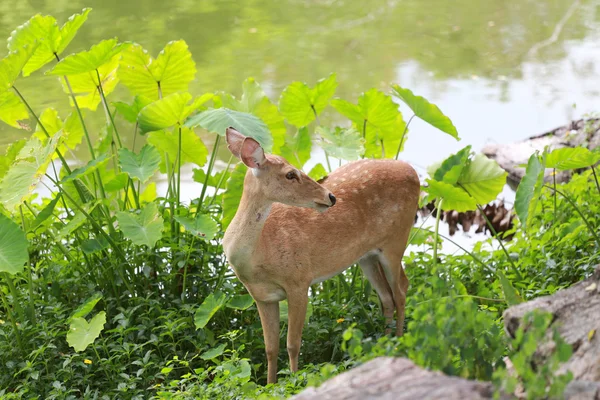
(501, 70)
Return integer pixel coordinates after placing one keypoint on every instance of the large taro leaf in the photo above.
(426, 111)
(255, 101)
(12, 110)
(529, 190)
(483, 179)
(233, 194)
(12, 65)
(82, 333)
(88, 61)
(203, 225)
(143, 229)
(13, 246)
(52, 40)
(240, 302)
(571, 158)
(166, 112)
(451, 168)
(297, 148)
(217, 120)
(140, 166)
(211, 304)
(378, 120)
(317, 172)
(171, 71)
(193, 149)
(454, 198)
(300, 104)
(345, 144)
(12, 152)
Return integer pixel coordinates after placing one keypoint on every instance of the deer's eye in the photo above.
(291, 175)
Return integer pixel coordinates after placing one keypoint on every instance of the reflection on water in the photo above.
(502, 70)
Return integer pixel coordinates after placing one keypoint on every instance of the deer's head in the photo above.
(275, 178)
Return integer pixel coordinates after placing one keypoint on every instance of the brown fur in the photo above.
(278, 250)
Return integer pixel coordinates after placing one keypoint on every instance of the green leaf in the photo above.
(87, 306)
(166, 112)
(203, 226)
(378, 120)
(85, 85)
(12, 110)
(77, 221)
(82, 334)
(233, 194)
(318, 172)
(217, 120)
(208, 308)
(529, 190)
(130, 111)
(483, 179)
(143, 229)
(52, 39)
(193, 149)
(300, 104)
(19, 182)
(345, 144)
(452, 167)
(213, 180)
(10, 156)
(88, 169)
(94, 245)
(454, 198)
(241, 302)
(297, 148)
(428, 112)
(13, 247)
(170, 72)
(44, 214)
(510, 293)
(571, 158)
(140, 166)
(255, 101)
(214, 352)
(88, 61)
(12, 65)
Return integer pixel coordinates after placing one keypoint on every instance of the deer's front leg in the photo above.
(297, 303)
(269, 319)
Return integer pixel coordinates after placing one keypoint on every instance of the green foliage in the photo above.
(177, 323)
(529, 190)
(539, 381)
(571, 158)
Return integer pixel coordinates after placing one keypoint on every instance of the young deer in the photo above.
(286, 235)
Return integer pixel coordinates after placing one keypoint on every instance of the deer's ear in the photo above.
(252, 154)
(234, 141)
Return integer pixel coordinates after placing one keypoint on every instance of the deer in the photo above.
(290, 232)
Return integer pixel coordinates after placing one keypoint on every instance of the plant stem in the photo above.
(106, 110)
(34, 115)
(596, 179)
(12, 320)
(179, 169)
(403, 134)
(211, 163)
(15, 295)
(585, 220)
(221, 181)
(438, 208)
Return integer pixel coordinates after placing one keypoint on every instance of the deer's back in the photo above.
(376, 202)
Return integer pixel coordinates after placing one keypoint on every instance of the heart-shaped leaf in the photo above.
(300, 104)
(428, 112)
(170, 72)
(571, 158)
(140, 166)
(217, 120)
(82, 334)
(52, 39)
(451, 168)
(203, 225)
(241, 302)
(345, 144)
(166, 112)
(208, 308)
(13, 246)
(88, 61)
(529, 190)
(454, 198)
(483, 179)
(143, 229)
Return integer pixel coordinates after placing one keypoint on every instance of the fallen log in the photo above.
(511, 157)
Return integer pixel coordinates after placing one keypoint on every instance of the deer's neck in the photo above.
(244, 231)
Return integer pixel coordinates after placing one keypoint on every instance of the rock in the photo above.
(583, 132)
(576, 312)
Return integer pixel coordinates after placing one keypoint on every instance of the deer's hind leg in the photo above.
(391, 263)
(374, 272)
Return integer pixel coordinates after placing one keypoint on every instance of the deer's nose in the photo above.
(332, 198)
